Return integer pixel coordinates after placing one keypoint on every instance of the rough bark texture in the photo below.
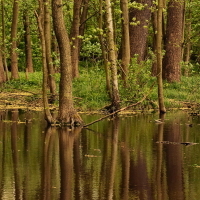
(139, 32)
(67, 112)
(14, 56)
(112, 56)
(174, 31)
(27, 38)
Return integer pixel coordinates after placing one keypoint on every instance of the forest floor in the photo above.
(17, 99)
(90, 95)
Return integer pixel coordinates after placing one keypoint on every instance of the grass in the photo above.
(89, 90)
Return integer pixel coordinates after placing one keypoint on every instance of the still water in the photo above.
(118, 159)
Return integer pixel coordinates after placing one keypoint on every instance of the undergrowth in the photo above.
(89, 90)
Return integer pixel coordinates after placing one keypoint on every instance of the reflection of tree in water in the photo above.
(174, 161)
(66, 142)
(139, 181)
(15, 153)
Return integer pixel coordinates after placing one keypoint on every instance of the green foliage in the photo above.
(89, 89)
(139, 81)
(32, 84)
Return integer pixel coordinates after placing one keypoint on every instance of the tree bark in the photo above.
(2, 73)
(125, 42)
(112, 56)
(48, 115)
(3, 48)
(159, 37)
(47, 34)
(103, 49)
(27, 38)
(139, 31)
(174, 32)
(74, 38)
(83, 19)
(14, 55)
(67, 114)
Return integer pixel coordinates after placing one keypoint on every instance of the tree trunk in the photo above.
(27, 38)
(74, 38)
(2, 73)
(83, 20)
(3, 48)
(187, 48)
(47, 34)
(67, 113)
(112, 56)
(125, 42)
(103, 49)
(48, 115)
(14, 55)
(174, 32)
(159, 57)
(155, 28)
(139, 21)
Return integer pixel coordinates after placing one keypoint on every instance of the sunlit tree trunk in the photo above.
(47, 34)
(103, 49)
(112, 56)
(174, 41)
(39, 16)
(125, 42)
(27, 38)
(67, 113)
(139, 21)
(159, 58)
(74, 38)
(14, 55)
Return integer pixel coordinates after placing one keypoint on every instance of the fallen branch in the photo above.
(117, 111)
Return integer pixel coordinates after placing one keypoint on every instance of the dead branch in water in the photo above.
(117, 111)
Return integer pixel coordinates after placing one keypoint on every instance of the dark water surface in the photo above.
(119, 159)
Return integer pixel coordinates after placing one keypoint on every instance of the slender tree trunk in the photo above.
(174, 41)
(2, 73)
(187, 49)
(155, 28)
(47, 34)
(3, 41)
(103, 49)
(139, 21)
(48, 115)
(125, 40)
(27, 38)
(83, 20)
(74, 38)
(159, 58)
(67, 113)
(14, 55)
(112, 56)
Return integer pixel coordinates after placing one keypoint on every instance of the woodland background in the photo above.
(128, 43)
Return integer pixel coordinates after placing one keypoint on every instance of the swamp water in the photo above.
(118, 159)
